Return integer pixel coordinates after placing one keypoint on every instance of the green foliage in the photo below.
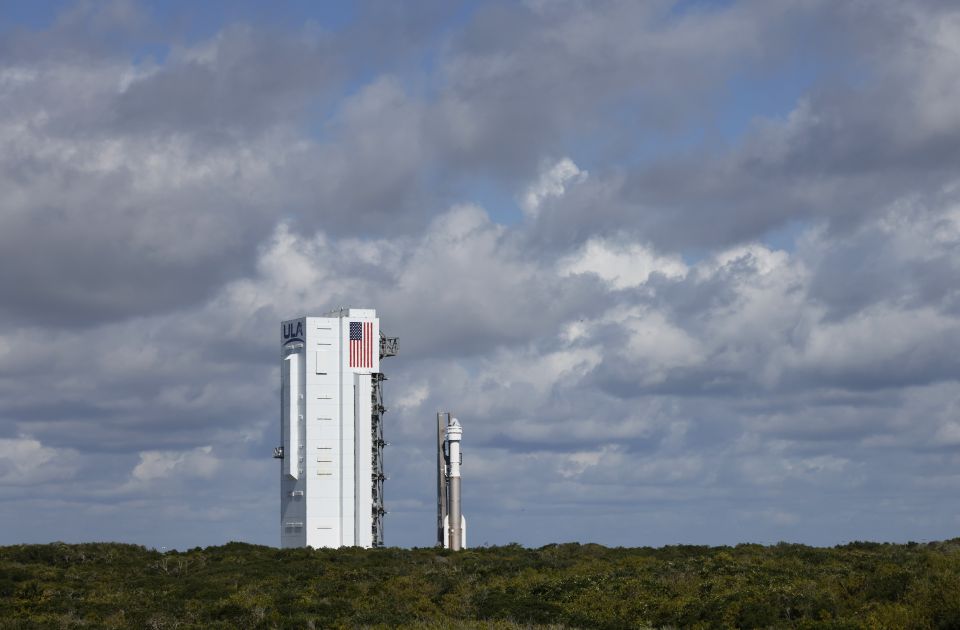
(858, 585)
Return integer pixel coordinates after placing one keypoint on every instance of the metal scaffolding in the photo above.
(443, 418)
(389, 347)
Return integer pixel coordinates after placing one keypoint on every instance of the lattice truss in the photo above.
(388, 348)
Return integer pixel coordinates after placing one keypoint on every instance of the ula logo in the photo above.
(292, 332)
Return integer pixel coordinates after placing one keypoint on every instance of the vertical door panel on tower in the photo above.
(293, 408)
(293, 415)
(363, 461)
(324, 435)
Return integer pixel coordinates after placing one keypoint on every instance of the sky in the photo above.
(686, 271)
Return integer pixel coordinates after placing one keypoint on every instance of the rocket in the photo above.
(452, 525)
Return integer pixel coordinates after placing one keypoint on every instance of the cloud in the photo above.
(521, 79)
(842, 152)
(552, 183)
(918, 347)
(243, 79)
(25, 461)
(159, 465)
(622, 266)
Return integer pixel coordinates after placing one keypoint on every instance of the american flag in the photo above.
(361, 344)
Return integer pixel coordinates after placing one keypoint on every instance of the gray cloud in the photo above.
(242, 81)
(845, 151)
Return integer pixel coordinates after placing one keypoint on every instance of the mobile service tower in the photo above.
(331, 479)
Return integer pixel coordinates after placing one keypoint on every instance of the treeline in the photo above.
(561, 586)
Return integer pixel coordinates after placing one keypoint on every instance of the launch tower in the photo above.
(331, 479)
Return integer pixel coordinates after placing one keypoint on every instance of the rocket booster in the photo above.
(452, 532)
(455, 525)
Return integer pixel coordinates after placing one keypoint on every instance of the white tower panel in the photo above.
(363, 461)
(293, 411)
(326, 480)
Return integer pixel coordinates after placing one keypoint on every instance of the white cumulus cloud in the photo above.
(621, 265)
(553, 182)
(25, 461)
(195, 463)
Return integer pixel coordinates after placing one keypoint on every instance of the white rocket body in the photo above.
(454, 523)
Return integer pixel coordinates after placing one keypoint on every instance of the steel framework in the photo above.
(389, 347)
(443, 418)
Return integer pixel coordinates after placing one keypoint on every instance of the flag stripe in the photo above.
(361, 344)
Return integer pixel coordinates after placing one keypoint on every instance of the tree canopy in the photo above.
(561, 586)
